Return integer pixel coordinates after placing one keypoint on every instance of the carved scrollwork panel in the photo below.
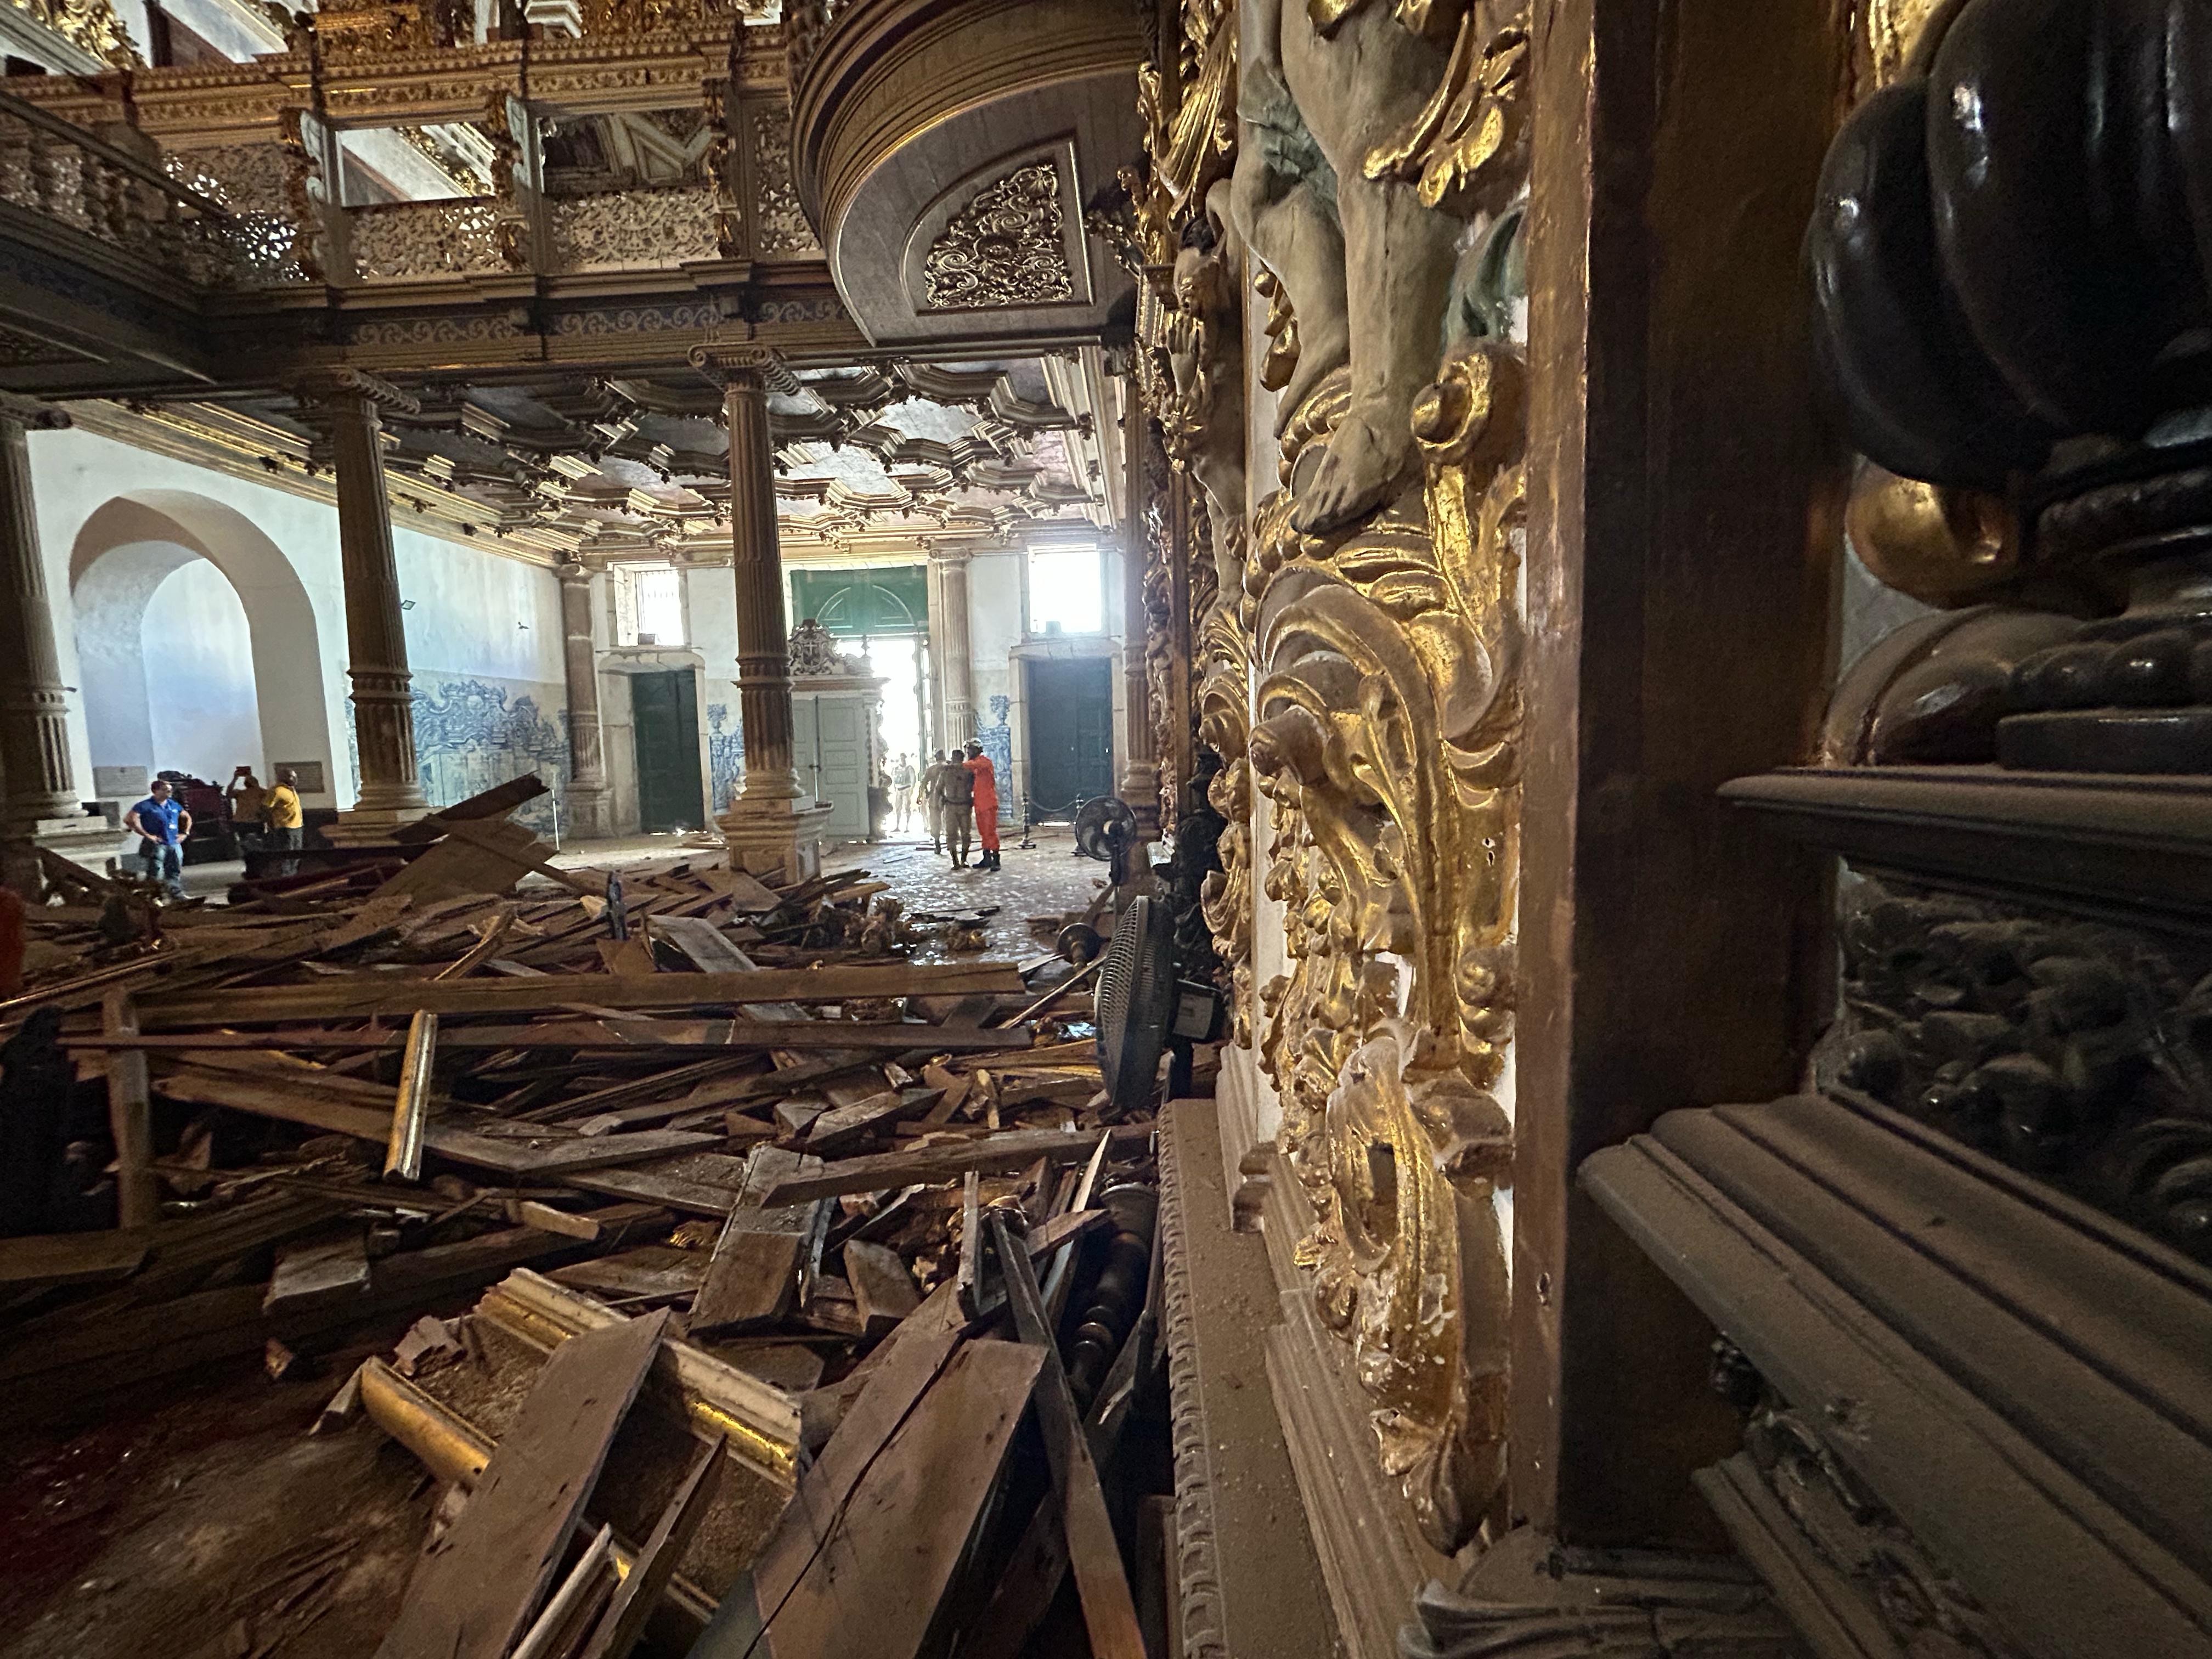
(633, 229)
(2079, 1051)
(417, 240)
(779, 226)
(1007, 247)
(1387, 737)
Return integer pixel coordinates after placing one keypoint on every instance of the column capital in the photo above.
(744, 367)
(948, 554)
(341, 388)
(32, 415)
(572, 574)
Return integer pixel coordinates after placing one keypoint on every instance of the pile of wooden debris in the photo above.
(767, 1206)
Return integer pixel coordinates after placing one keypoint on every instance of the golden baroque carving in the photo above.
(633, 229)
(1387, 741)
(1006, 247)
(89, 25)
(1225, 726)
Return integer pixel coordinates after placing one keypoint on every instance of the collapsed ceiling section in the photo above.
(604, 470)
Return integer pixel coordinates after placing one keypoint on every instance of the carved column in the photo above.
(39, 794)
(587, 768)
(348, 407)
(772, 828)
(956, 671)
(1140, 783)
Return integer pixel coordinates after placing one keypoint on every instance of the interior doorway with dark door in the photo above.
(665, 717)
(1070, 727)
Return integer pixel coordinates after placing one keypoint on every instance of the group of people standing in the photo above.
(271, 816)
(959, 797)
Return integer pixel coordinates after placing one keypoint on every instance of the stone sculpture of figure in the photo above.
(1367, 267)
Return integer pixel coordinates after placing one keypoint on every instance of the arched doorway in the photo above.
(197, 644)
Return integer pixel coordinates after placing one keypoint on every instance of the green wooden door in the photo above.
(1071, 734)
(664, 714)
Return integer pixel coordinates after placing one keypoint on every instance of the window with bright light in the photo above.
(659, 607)
(1067, 591)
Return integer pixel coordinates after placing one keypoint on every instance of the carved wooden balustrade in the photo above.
(240, 191)
(52, 168)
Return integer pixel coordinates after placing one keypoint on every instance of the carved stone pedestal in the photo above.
(778, 841)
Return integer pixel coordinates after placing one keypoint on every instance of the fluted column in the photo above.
(35, 758)
(772, 828)
(957, 663)
(348, 407)
(588, 816)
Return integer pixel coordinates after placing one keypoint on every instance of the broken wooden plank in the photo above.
(477, 1586)
(377, 996)
(485, 948)
(648, 1272)
(1094, 1556)
(623, 1622)
(706, 946)
(322, 1103)
(753, 1277)
(42, 1259)
(884, 1290)
(495, 802)
(841, 1128)
(410, 1111)
(862, 1559)
(618, 1033)
(1013, 1149)
(592, 1227)
(318, 1272)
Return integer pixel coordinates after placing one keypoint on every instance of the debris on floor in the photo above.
(814, 1283)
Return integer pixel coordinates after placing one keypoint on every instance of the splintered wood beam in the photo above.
(477, 1586)
(372, 997)
(319, 1102)
(1015, 1148)
(1109, 1612)
(410, 1111)
(595, 1034)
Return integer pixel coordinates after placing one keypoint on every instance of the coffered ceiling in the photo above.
(578, 468)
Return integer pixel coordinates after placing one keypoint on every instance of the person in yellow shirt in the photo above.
(280, 810)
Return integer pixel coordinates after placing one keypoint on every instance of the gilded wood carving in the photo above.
(1360, 668)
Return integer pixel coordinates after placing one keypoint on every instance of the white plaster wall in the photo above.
(199, 668)
(476, 615)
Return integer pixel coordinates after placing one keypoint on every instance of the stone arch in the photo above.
(132, 543)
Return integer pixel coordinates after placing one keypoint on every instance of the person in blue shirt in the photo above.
(162, 823)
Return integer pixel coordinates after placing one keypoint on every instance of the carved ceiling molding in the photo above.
(1007, 248)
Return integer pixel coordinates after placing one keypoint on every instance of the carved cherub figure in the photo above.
(1367, 266)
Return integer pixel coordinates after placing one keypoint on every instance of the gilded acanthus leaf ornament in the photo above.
(1386, 739)
(1006, 247)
